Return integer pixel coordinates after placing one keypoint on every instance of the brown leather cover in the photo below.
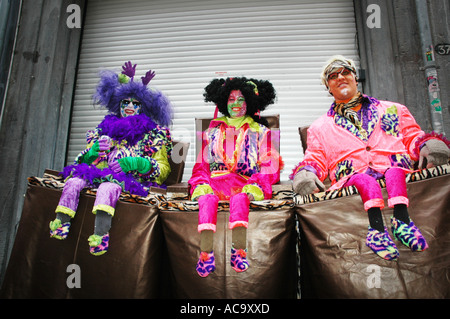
(271, 253)
(336, 263)
(138, 261)
(38, 264)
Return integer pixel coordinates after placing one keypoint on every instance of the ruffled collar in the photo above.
(131, 128)
(368, 111)
(236, 122)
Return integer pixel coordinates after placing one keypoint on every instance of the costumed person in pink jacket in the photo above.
(359, 140)
(127, 152)
(237, 163)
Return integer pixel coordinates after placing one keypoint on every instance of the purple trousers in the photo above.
(106, 199)
(370, 190)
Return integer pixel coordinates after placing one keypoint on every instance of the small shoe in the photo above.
(409, 235)
(98, 244)
(238, 259)
(206, 264)
(382, 244)
(58, 230)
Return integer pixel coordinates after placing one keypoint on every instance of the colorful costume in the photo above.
(338, 149)
(357, 147)
(249, 163)
(124, 153)
(237, 159)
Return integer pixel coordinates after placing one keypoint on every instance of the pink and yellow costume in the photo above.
(237, 157)
(385, 146)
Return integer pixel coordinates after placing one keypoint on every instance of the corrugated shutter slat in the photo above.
(188, 43)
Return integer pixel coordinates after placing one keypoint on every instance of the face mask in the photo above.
(236, 104)
(129, 107)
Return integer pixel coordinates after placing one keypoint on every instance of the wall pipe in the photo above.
(434, 95)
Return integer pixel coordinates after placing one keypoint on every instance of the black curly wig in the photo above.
(258, 95)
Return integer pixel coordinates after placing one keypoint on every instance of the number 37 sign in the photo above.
(442, 49)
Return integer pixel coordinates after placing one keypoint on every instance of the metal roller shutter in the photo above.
(188, 43)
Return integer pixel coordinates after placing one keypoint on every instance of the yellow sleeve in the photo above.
(163, 165)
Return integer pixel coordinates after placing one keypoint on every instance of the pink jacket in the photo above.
(338, 149)
(255, 160)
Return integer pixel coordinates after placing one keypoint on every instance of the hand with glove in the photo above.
(254, 192)
(433, 153)
(99, 148)
(306, 182)
(104, 144)
(130, 163)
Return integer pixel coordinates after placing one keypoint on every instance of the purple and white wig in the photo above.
(113, 88)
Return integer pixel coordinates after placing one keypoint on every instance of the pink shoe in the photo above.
(238, 259)
(206, 264)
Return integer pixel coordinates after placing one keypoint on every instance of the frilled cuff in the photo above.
(255, 190)
(308, 165)
(376, 202)
(426, 137)
(398, 200)
(206, 226)
(200, 190)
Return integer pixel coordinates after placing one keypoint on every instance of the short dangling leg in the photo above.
(66, 209)
(104, 208)
(207, 220)
(239, 212)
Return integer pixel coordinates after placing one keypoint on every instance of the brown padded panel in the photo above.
(336, 263)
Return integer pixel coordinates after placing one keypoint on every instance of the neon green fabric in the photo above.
(91, 155)
(163, 164)
(139, 164)
(201, 190)
(254, 190)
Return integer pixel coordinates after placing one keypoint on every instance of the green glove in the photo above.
(91, 155)
(140, 164)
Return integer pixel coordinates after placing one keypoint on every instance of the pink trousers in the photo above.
(207, 215)
(370, 190)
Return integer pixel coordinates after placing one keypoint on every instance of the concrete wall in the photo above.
(393, 59)
(36, 112)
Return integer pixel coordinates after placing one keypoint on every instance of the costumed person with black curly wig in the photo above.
(361, 140)
(237, 163)
(127, 152)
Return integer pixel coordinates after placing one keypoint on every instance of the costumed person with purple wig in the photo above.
(237, 162)
(360, 140)
(127, 152)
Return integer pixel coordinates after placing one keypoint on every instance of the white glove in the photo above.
(306, 182)
(435, 152)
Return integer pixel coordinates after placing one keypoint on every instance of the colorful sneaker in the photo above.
(98, 244)
(58, 230)
(409, 235)
(206, 264)
(238, 259)
(381, 244)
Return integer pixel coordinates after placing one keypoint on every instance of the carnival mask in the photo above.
(129, 107)
(237, 107)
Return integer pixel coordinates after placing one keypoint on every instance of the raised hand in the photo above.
(129, 69)
(148, 77)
